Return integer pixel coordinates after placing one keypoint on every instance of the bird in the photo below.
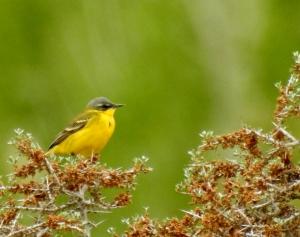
(89, 132)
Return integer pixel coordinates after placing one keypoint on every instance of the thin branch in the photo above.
(29, 229)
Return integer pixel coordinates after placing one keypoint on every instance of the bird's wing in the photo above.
(75, 126)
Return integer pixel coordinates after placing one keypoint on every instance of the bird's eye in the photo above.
(103, 106)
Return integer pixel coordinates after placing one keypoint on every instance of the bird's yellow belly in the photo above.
(89, 140)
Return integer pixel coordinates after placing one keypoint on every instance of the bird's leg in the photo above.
(92, 156)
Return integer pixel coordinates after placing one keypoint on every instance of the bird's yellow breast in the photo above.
(92, 138)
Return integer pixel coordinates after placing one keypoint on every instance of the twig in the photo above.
(26, 230)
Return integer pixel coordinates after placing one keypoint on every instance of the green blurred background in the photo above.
(179, 66)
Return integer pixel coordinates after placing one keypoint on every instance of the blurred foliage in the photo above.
(179, 66)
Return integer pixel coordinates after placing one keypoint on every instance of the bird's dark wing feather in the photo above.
(75, 126)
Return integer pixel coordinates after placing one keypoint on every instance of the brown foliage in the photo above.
(250, 192)
(59, 193)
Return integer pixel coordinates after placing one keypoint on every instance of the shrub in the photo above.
(248, 192)
(59, 193)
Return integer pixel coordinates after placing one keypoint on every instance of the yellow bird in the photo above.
(89, 132)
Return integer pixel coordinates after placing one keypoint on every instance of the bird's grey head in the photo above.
(102, 103)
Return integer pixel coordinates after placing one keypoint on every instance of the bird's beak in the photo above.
(118, 105)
